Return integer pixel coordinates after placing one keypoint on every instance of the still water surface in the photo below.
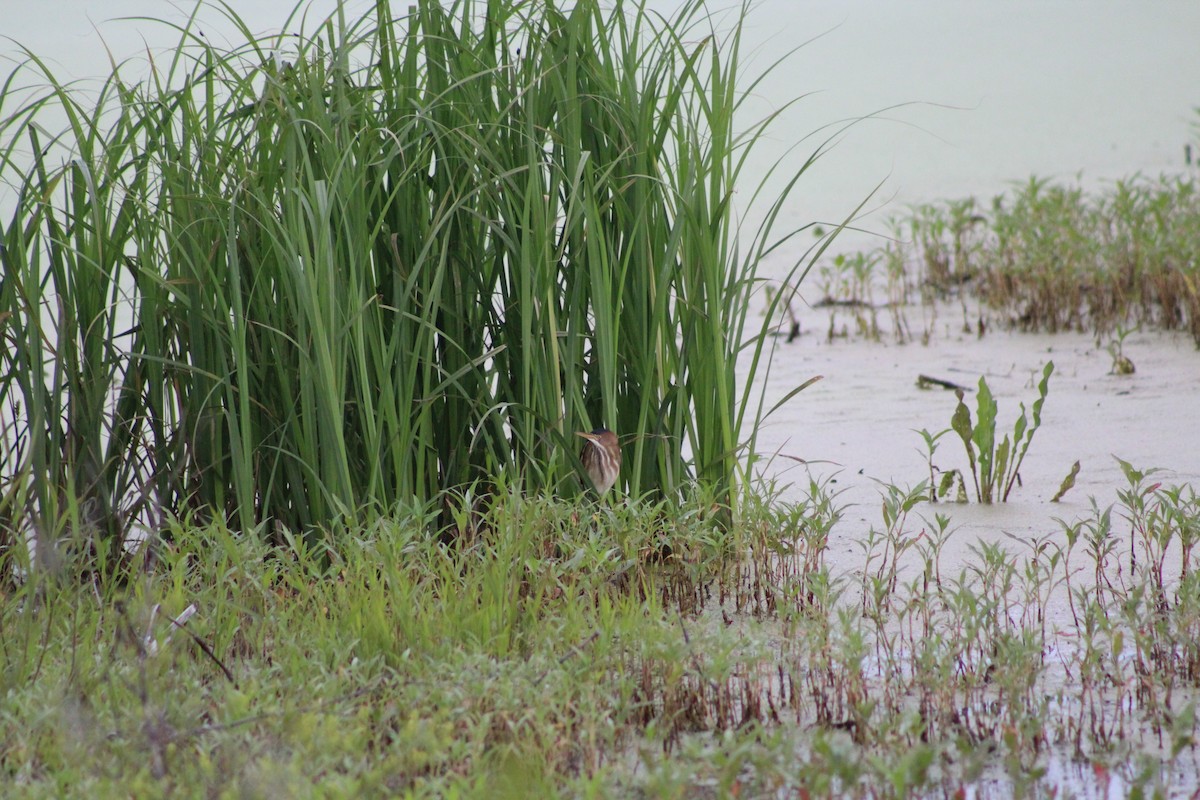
(981, 93)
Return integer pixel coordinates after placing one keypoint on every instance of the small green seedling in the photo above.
(1068, 483)
(940, 488)
(995, 465)
(1121, 365)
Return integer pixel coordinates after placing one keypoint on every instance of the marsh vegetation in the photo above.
(1045, 256)
(635, 649)
(295, 339)
(400, 256)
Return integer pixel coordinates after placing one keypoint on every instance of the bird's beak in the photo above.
(591, 437)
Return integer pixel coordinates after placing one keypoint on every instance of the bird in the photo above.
(601, 458)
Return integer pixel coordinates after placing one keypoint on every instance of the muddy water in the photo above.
(999, 89)
(856, 428)
(995, 92)
(861, 419)
(953, 98)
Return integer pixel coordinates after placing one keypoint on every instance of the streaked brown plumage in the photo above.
(601, 458)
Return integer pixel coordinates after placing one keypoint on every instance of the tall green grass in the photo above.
(360, 268)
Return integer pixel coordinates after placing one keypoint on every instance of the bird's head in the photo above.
(601, 436)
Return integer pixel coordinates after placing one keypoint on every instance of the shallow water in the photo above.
(1000, 89)
(1006, 90)
(859, 423)
(856, 428)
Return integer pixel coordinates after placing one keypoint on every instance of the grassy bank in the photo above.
(576, 650)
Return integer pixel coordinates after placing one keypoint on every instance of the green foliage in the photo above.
(1067, 484)
(631, 649)
(1121, 363)
(1050, 256)
(995, 466)
(373, 263)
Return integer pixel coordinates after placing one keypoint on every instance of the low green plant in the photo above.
(614, 651)
(1068, 483)
(940, 488)
(1050, 256)
(995, 464)
(1121, 363)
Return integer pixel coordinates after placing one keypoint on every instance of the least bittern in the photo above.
(601, 458)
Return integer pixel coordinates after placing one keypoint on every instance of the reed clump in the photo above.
(363, 266)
